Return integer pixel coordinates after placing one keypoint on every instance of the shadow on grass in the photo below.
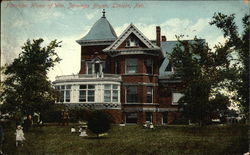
(96, 137)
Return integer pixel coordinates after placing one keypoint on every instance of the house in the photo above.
(128, 76)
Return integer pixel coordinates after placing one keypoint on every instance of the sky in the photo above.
(68, 21)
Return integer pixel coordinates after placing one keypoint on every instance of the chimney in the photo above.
(163, 38)
(158, 36)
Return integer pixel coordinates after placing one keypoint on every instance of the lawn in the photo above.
(133, 139)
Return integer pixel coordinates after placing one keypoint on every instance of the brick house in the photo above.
(128, 76)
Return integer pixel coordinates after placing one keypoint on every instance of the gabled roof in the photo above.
(101, 31)
(129, 30)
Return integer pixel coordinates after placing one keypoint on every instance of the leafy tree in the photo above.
(26, 88)
(99, 122)
(218, 105)
(240, 44)
(201, 70)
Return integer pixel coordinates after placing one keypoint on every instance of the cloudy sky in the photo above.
(71, 20)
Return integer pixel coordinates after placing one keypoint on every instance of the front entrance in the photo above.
(165, 118)
(149, 117)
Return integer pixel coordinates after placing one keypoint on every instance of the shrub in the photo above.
(79, 114)
(99, 122)
(52, 115)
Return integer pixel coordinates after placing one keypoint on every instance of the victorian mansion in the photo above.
(129, 76)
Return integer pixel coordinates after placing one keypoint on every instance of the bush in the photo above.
(99, 122)
(79, 114)
(52, 115)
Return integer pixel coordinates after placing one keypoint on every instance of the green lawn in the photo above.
(133, 139)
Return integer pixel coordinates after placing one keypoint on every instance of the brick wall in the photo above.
(117, 116)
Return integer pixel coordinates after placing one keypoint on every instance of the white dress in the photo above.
(73, 130)
(19, 135)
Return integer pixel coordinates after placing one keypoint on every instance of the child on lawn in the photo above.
(83, 132)
(19, 135)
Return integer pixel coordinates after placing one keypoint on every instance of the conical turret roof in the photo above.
(101, 32)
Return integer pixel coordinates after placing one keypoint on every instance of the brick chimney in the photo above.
(158, 36)
(163, 38)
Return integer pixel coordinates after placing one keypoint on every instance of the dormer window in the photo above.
(132, 42)
(95, 67)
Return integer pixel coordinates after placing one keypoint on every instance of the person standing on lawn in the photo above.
(19, 135)
(66, 118)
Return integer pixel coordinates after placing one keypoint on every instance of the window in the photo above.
(149, 94)
(87, 93)
(131, 66)
(82, 93)
(89, 68)
(82, 96)
(117, 67)
(107, 93)
(91, 95)
(132, 42)
(67, 93)
(149, 66)
(61, 99)
(176, 97)
(131, 117)
(115, 93)
(64, 92)
(110, 93)
(131, 94)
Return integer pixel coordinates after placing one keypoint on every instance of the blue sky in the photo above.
(71, 20)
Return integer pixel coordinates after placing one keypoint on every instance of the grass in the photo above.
(133, 139)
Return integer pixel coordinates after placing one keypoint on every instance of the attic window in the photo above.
(132, 42)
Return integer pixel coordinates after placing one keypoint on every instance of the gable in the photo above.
(131, 31)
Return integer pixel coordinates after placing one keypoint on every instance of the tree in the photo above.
(26, 88)
(201, 70)
(218, 105)
(99, 122)
(240, 44)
